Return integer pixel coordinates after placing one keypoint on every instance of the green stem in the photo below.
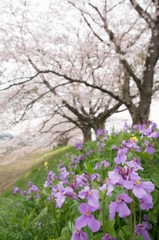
(134, 221)
(131, 216)
(103, 212)
(119, 227)
(140, 217)
(91, 235)
(154, 229)
(131, 221)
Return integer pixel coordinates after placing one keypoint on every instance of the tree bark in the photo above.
(87, 135)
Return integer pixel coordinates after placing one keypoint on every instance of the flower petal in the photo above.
(81, 222)
(123, 210)
(112, 209)
(93, 224)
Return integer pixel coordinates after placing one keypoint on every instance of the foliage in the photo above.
(108, 190)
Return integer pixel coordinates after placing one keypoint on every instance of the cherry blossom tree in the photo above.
(30, 83)
(124, 33)
(109, 58)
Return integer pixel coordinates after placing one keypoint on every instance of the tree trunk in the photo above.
(140, 113)
(87, 135)
(99, 125)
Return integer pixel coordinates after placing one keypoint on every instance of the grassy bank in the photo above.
(32, 168)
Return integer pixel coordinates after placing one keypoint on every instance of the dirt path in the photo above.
(11, 170)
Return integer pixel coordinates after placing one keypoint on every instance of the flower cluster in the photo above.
(123, 184)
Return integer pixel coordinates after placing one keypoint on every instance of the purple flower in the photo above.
(146, 223)
(146, 202)
(141, 231)
(125, 173)
(79, 235)
(37, 195)
(113, 178)
(101, 147)
(33, 188)
(61, 195)
(53, 192)
(139, 188)
(80, 158)
(107, 237)
(79, 145)
(74, 184)
(120, 206)
(101, 132)
(50, 178)
(87, 218)
(149, 147)
(154, 135)
(131, 144)
(104, 163)
(64, 174)
(135, 164)
(74, 159)
(16, 189)
(81, 180)
(126, 126)
(97, 165)
(30, 184)
(91, 195)
(115, 147)
(95, 176)
(121, 156)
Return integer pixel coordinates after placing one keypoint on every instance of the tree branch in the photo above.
(145, 15)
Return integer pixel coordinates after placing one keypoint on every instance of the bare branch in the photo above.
(145, 15)
(89, 25)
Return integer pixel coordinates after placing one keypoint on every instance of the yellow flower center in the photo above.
(134, 138)
(89, 192)
(106, 180)
(134, 159)
(137, 182)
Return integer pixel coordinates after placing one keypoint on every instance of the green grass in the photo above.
(38, 173)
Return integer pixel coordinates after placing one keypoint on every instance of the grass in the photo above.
(32, 169)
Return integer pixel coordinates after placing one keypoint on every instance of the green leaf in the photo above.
(89, 168)
(152, 217)
(109, 227)
(98, 236)
(44, 211)
(71, 226)
(125, 230)
(65, 233)
(155, 179)
(139, 238)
